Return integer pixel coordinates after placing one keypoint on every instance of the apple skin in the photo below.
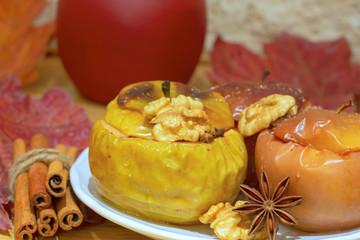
(241, 94)
(106, 45)
(329, 182)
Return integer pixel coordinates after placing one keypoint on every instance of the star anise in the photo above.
(268, 205)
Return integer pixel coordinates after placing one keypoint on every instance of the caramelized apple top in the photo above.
(322, 129)
(137, 95)
(126, 112)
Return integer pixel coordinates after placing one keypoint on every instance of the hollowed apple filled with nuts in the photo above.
(167, 151)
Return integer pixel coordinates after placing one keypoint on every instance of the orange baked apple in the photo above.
(320, 151)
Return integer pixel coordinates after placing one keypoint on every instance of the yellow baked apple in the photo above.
(167, 151)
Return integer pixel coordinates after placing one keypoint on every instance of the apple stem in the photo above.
(357, 102)
(264, 76)
(345, 105)
(165, 87)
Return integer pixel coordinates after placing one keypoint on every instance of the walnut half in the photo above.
(230, 225)
(176, 119)
(263, 113)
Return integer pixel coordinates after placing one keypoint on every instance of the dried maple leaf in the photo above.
(22, 45)
(233, 62)
(322, 70)
(53, 115)
(4, 217)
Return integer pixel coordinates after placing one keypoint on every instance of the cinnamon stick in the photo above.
(19, 148)
(39, 196)
(57, 176)
(24, 214)
(72, 151)
(47, 221)
(68, 212)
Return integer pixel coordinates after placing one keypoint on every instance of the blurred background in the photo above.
(29, 39)
(255, 22)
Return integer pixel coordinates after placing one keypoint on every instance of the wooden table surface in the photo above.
(52, 74)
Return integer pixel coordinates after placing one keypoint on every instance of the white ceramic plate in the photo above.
(84, 187)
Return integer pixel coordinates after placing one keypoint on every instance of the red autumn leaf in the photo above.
(322, 70)
(233, 62)
(53, 115)
(22, 45)
(4, 217)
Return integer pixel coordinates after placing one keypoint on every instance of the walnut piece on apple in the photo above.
(230, 225)
(179, 118)
(266, 111)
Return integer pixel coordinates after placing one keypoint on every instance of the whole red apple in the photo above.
(106, 45)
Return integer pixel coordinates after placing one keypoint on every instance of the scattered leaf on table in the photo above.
(53, 115)
(22, 45)
(322, 70)
(4, 217)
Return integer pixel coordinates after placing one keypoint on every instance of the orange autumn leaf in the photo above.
(22, 45)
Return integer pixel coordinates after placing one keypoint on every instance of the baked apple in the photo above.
(167, 151)
(319, 150)
(241, 94)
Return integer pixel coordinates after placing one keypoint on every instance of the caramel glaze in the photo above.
(145, 90)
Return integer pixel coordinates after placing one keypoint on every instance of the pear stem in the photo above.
(345, 105)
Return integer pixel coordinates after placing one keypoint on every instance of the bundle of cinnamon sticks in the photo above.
(43, 200)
